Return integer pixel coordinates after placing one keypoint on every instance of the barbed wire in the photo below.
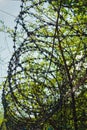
(43, 71)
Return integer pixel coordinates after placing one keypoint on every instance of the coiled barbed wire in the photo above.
(38, 73)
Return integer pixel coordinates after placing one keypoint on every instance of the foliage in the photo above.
(1, 119)
(47, 74)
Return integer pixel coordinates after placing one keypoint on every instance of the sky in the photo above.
(9, 9)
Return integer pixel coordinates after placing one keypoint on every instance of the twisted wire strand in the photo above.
(37, 84)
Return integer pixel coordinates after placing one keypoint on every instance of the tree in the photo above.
(48, 71)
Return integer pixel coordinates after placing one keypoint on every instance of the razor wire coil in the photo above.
(32, 89)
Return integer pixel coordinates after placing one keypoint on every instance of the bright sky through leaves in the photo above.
(8, 9)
